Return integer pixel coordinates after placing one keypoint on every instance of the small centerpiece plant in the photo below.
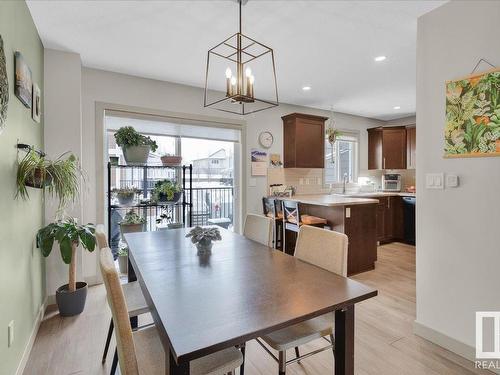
(166, 191)
(69, 234)
(136, 147)
(125, 195)
(203, 237)
(132, 222)
(123, 258)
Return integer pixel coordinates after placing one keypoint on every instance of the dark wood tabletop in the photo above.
(204, 303)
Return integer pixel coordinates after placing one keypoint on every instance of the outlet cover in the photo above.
(434, 181)
(451, 180)
(10, 333)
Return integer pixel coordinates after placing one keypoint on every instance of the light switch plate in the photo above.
(451, 180)
(434, 181)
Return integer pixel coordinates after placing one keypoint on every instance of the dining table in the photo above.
(241, 290)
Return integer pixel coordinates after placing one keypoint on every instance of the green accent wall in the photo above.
(22, 277)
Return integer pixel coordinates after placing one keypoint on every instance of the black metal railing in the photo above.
(212, 203)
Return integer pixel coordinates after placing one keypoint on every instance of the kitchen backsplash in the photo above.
(310, 181)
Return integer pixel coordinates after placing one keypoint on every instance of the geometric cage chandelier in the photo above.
(236, 69)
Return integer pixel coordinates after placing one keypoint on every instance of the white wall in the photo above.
(458, 251)
(62, 133)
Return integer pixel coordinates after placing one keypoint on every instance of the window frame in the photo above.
(352, 134)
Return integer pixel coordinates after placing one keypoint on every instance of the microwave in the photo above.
(391, 182)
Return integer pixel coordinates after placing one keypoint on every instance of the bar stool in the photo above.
(272, 208)
(293, 220)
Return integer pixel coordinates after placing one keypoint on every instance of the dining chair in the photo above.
(293, 219)
(271, 207)
(136, 302)
(259, 228)
(326, 249)
(141, 351)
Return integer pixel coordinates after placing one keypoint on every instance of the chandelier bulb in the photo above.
(229, 73)
(233, 81)
(248, 72)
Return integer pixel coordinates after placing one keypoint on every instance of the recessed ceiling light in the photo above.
(306, 88)
(397, 107)
(380, 58)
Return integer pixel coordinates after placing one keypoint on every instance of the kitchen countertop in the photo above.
(331, 200)
(379, 194)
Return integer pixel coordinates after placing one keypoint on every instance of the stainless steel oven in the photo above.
(391, 182)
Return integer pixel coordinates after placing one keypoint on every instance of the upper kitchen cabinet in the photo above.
(411, 147)
(303, 141)
(387, 148)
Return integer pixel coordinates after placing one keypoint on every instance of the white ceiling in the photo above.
(328, 45)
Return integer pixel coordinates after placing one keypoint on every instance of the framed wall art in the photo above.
(473, 116)
(23, 85)
(4, 88)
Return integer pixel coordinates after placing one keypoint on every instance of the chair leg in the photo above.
(108, 339)
(332, 340)
(242, 367)
(297, 354)
(115, 363)
(282, 362)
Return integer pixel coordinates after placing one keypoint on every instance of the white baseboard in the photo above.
(31, 340)
(447, 342)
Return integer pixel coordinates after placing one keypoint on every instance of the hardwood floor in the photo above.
(385, 343)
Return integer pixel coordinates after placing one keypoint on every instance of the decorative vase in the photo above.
(171, 161)
(162, 198)
(136, 155)
(123, 263)
(204, 246)
(113, 160)
(125, 199)
(71, 303)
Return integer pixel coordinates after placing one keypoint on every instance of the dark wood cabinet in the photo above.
(387, 148)
(411, 147)
(390, 221)
(303, 141)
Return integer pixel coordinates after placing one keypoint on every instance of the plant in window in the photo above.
(166, 191)
(135, 146)
(170, 160)
(126, 195)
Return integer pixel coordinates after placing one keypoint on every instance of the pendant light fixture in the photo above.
(241, 75)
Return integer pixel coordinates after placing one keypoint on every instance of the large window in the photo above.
(341, 159)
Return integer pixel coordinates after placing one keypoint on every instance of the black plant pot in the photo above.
(71, 303)
(37, 181)
(163, 198)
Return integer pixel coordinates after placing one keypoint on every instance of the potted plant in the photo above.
(114, 160)
(132, 222)
(60, 178)
(135, 146)
(170, 160)
(71, 297)
(332, 134)
(125, 195)
(203, 237)
(123, 258)
(166, 191)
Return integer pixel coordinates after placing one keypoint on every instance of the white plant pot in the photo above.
(136, 155)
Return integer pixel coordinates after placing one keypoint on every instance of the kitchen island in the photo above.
(356, 217)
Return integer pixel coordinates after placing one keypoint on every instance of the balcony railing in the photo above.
(212, 203)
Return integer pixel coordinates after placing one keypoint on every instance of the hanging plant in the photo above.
(60, 178)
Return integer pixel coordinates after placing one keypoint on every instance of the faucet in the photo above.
(344, 182)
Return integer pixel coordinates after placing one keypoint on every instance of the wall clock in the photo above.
(266, 139)
(4, 88)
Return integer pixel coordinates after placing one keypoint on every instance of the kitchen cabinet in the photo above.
(387, 148)
(303, 141)
(411, 147)
(390, 220)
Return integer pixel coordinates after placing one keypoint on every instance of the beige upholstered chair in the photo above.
(259, 228)
(141, 352)
(136, 303)
(326, 249)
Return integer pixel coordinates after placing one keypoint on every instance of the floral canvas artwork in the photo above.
(473, 116)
